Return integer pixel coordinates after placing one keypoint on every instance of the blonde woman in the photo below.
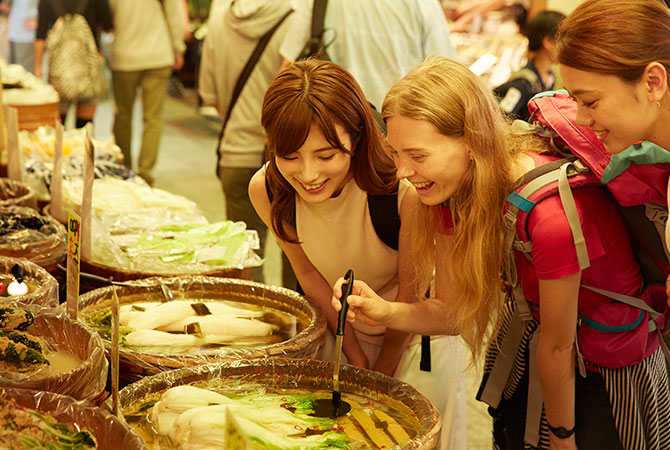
(451, 141)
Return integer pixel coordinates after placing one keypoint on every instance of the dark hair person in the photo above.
(326, 158)
(614, 58)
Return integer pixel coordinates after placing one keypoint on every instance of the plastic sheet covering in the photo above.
(45, 291)
(37, 153)
(178, 248)
(25, 233)
(87, 380)
(111, 433)
(306, 343)
(124, 207)
(422, 423)
(13, 192)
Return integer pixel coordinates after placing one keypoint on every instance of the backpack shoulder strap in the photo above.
(244, 76)
(385, 218)
(318, 18)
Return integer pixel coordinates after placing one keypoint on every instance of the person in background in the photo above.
(326, 162)
(619, 79)
(377, 41)
(235, 29)
(22, 31)
(148, 45)
(98, 17)
(452, 142)
(537, 76)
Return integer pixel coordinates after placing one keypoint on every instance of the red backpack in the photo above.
(626, 330)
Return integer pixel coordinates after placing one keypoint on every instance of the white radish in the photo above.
(148, 338)
(162, 314)
(219, 308)
(226, 325)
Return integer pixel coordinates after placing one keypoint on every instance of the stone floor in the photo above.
(186, 166)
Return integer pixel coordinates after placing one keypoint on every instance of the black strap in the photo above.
(318, 18)
(385, 218)
(383, 215)
(244, 76)
(425, 363)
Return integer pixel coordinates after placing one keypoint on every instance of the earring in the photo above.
(658, 103)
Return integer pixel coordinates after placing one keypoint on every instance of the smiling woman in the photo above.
(453, 143)
(614, 57)
(319, 193)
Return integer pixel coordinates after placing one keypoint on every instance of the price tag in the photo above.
(73, 259)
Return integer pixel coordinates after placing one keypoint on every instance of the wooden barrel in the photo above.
(31, 117)
(420, 419)
(307, 342)
(110, 432)
(85, 382)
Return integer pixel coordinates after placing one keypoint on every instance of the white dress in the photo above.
(337, 235)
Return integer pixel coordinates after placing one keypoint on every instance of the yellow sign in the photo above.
(73, 259)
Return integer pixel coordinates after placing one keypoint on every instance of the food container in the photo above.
(25, 233)
(111, 433)
(13, 192)
(87, 380)
(122, 275)
(43, 288)
(409, 408)
(307, 340)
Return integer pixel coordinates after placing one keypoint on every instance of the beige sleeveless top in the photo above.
(337, 235)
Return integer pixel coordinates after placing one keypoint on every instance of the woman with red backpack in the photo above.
(451, 141)
(614, 58)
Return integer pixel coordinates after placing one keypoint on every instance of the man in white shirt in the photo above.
(378, 41)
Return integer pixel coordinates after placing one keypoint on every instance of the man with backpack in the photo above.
(233, 30)
(70, 31)
(148, 44)
(377, 41)
(536, 76)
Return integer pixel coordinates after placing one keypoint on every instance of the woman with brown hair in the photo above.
(326, 164)
(614, 58)
(450, 139)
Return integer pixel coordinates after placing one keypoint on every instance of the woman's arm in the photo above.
(395, 342)
(427, 317)
(556, 354)
(316, 288)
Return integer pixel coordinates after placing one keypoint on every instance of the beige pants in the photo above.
(153, 83)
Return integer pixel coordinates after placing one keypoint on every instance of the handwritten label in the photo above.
(73, 259)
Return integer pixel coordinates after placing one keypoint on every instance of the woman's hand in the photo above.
(667, 289)
(364, 304)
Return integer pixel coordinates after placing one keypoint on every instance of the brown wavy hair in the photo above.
(450, 97)
(615, 37)
(321, 93)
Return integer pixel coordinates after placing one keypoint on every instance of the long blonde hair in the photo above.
(457, 103)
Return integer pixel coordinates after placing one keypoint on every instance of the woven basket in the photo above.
(14, 193)
(422, 420)
(85, 382)
(110, 432)
(46, 293)
(307, 343)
